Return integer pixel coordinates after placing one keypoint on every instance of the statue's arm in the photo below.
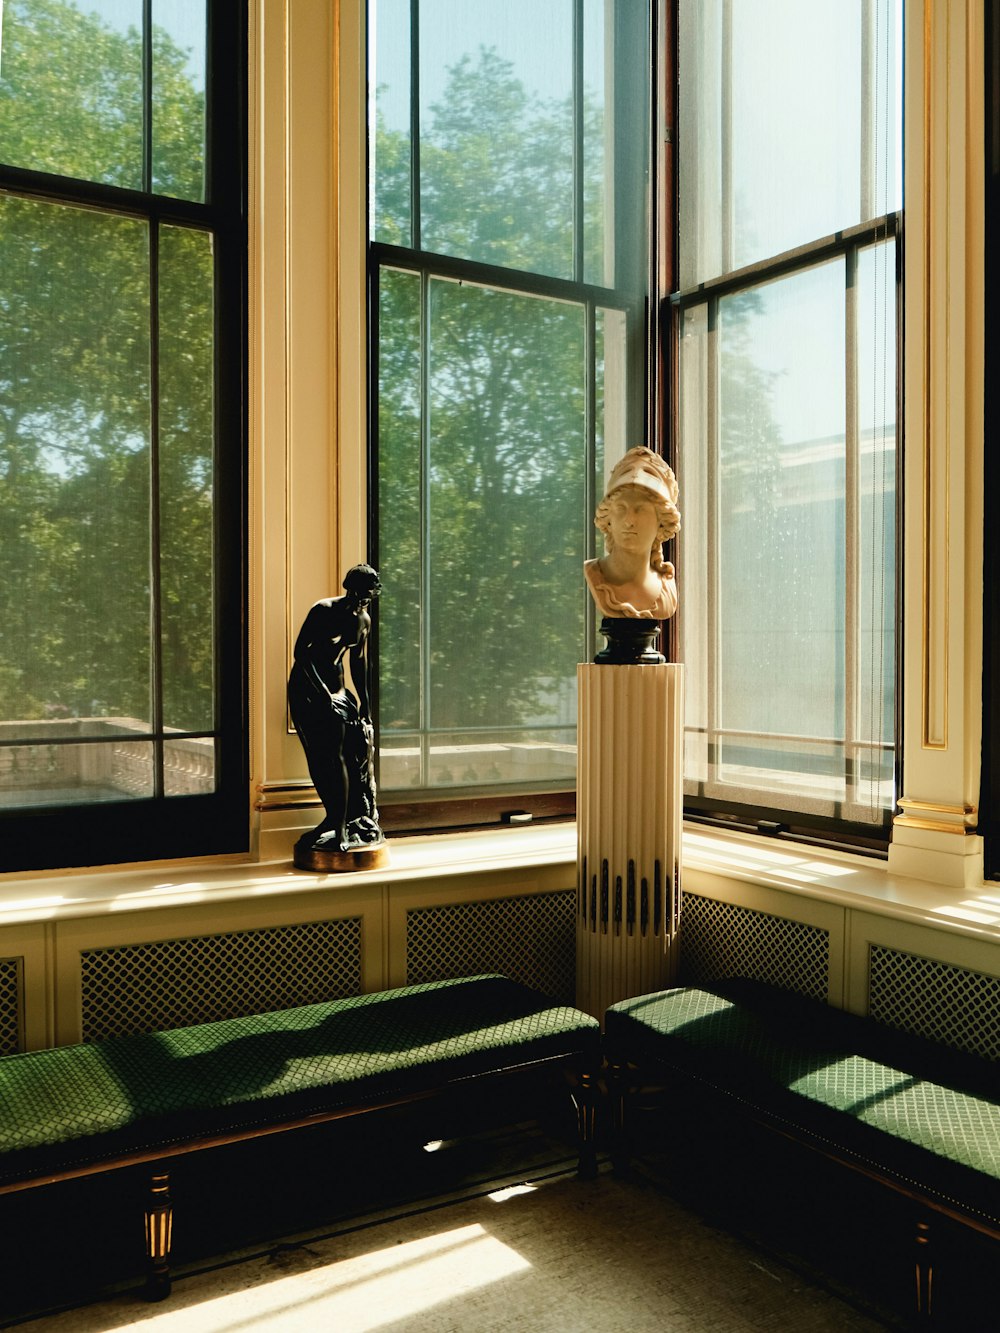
(359, 678)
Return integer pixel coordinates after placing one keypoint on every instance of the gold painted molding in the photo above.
(934, 807)
(285, 796)
(934, 738)
(923, 812)
(932, 825)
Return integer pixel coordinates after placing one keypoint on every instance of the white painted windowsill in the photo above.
(851, 881)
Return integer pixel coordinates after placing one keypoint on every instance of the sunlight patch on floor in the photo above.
(361, 1294)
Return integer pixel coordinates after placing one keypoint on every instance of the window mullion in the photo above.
(147, 96)
(415, 219)
(590, 496)
(728, 221)
(578, 144)
(425, 529)
(852, 527)
(155, 584)
(713, 684)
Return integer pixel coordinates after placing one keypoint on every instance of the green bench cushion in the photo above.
(812, 1067)
(82, 1103)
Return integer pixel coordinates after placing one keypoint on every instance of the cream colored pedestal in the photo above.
(629, 805)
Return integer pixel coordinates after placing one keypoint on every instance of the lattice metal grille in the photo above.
(10, 1005)
(721, 940)
(531, 940)
(171, 983)
(933, 999)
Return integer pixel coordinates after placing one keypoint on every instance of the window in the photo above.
(784, 318)
(509, 268)
(512, 248)
(122, 276)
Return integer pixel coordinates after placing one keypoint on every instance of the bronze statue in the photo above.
(336, 729)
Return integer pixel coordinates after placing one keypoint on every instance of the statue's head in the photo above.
(362, 582)
(645, 472)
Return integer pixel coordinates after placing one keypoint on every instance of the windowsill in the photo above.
(850, 881)
(64, 894)
(861, 883)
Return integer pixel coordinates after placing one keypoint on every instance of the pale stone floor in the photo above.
(533, 1250)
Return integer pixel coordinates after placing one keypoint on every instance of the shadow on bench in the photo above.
(80, 1110)
(918, 1119)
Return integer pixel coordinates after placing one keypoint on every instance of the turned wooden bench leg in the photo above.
(618, 1088)
(585, 1100)
(159, 1227)
(924, 1272)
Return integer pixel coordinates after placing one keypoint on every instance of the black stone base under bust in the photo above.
(629, 641)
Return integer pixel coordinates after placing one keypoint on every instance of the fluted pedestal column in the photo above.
(629, 806)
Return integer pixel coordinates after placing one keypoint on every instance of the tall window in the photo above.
(122, 262)
(785, 321)
(509, 262)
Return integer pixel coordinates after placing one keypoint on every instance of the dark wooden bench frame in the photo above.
(579, 1074)
(626, 1079)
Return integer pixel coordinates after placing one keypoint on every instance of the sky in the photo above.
(184, 20)
(536, 35)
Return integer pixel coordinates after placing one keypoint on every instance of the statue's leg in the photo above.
(328, 770)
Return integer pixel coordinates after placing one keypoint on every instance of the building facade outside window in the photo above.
(122, 312)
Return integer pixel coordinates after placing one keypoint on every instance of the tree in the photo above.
(507, 393)
(77, 489)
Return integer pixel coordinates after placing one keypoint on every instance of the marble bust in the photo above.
(637, 515)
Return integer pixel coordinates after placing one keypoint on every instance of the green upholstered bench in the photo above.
(910, 1114)
(77, 1110)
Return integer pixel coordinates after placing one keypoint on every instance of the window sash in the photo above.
(627, 30)
(162, 822)
(849, 813)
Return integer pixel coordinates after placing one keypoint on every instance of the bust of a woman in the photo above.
(637, 515)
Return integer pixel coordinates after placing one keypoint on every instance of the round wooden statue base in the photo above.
(363, 858)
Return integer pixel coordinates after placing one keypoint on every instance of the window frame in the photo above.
(772, 819)
(433, 808)
(163, 827)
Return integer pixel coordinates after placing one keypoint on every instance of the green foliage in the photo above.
(506, 411)
(76, 474)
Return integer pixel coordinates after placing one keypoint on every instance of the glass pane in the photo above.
(610, 397)
(74, 468)
(781, 518)
(696, 548)
(389, 45)
(786, 628)
(49, 775)
(71, 89)
(598, 196)
(178, 98)
(399, 498)
(875, 684)
(505, 605)
(496, 132)
(186, 478)
(189, 767)
(802, 138)
(521, 756)
(500, 110)
(506, 509)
